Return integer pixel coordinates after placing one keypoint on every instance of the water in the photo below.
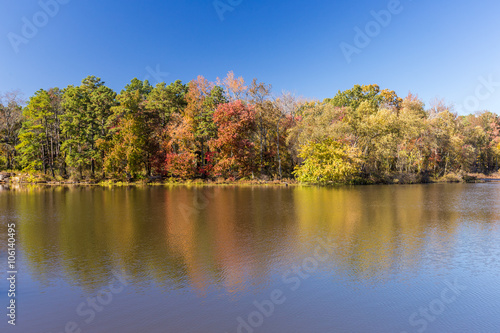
(421, 258)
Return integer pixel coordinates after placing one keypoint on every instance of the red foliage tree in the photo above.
(235, 152)
(181, 165)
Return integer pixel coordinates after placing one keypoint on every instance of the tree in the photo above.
(443, 143)
(229, 129)
(480, 135)
(180, 160)
(235, 152)
(102, 100)
(130, 125)
(365, 93)
(259, 95)
(10, 124)
(203, 98)
(285, 107)
(413, 124)
(85, 123)
(163, 104)
(234, 87)
(327, 162)
(39, 137)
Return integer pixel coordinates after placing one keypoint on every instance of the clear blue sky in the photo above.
(433, 48)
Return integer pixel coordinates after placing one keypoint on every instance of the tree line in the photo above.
(233, 130)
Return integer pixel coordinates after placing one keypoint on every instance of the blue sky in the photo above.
(435, 49)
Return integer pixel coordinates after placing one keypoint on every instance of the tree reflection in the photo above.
(232, 237)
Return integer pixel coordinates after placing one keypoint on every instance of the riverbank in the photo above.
(43, 179)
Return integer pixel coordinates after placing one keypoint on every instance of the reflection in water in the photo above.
(240, 240)
(228, 237)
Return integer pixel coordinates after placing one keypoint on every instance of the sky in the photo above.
(436, 49)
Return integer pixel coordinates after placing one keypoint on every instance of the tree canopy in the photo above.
(232, 129)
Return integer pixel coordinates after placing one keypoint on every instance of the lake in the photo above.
(416, 258)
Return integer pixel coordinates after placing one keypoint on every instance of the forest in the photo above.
(233, 130)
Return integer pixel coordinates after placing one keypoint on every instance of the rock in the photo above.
(4, 176)
(469, 179)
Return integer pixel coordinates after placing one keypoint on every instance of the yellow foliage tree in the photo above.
(328, 162)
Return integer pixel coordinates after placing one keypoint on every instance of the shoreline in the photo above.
(23, 179)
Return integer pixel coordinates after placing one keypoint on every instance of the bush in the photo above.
(328, 162)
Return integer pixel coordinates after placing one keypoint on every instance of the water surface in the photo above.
(420, 258)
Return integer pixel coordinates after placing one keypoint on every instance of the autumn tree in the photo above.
(235, 151)
(235, 130)
(410, 151)
(328, 162)
(366, 93)
(203, 98)
(234, 87)
(128, 153)
(285, 107)
(163, 104)
(259, 95)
